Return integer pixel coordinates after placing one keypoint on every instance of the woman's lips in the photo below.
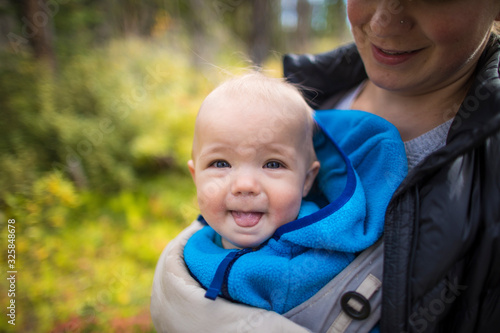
(246, 219)
(392, 57)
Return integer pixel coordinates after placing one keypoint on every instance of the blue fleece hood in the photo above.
(362, 163)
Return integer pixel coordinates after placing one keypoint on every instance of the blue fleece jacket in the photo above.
(362, 163)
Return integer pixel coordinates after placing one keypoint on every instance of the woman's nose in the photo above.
(245, 182)
(390, 19)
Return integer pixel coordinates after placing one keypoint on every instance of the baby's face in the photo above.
(251, 169)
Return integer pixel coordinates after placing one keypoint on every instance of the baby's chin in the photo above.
(233, 244)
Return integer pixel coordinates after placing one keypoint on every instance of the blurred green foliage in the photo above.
(104, 117)
(93, 171)
(86, 260)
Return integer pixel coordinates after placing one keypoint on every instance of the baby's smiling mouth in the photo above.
(246, 219)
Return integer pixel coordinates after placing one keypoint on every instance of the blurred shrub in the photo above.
(102, 120)
(86, 259)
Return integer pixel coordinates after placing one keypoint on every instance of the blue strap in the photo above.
(216, 285)
(202, 220)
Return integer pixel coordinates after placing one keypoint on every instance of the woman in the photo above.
(431, 68)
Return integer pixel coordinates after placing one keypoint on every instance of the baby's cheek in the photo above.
(288, 206)
(209, 198)
(210, 190)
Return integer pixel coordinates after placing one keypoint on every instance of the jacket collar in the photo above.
(323, 75)
(479, 113)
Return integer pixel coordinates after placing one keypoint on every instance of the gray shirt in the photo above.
(416, 149)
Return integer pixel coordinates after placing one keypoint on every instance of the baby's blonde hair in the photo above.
(286, 98)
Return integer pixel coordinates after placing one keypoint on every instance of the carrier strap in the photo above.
(354, 306)
(351, 302)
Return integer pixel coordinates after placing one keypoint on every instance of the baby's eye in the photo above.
(273, 165)
(221, 164)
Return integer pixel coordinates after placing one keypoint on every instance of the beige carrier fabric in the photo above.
(178, 303)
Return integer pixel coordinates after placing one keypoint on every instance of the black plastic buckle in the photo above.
(353, 313)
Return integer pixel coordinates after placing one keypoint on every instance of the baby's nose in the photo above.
(245, 183)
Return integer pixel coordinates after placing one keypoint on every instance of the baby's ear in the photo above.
(310, 176)
(190, 164)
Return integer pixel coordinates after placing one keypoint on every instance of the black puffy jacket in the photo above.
(442, 232)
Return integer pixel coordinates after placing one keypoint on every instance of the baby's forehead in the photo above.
(256, 117)
(256, 129)
(284, 105)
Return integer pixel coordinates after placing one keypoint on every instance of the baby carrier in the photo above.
(328, 273)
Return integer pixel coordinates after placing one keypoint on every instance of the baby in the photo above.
(254, 161)
(253, 158)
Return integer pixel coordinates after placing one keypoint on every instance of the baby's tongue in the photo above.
(246, 220)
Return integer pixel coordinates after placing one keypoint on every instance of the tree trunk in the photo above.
(304, 13)
(261, 33)
(37, 28)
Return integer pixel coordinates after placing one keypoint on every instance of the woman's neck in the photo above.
(413, 115)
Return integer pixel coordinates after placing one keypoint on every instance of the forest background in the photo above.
(97, 106)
